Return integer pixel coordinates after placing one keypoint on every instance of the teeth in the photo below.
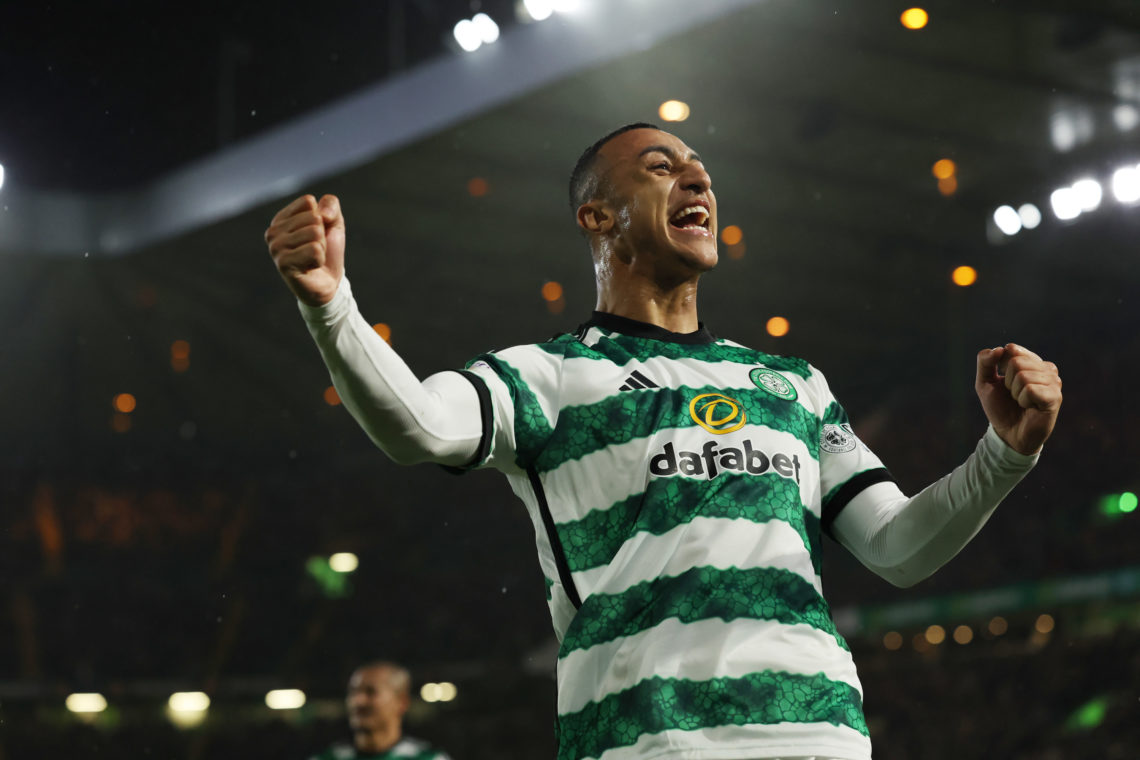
(701, 219)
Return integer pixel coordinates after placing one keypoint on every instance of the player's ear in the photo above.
(595, 217)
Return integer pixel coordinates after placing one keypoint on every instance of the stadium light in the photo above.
(285, 699)
(1089, 193)
(487, 28)
(1126, 184)
(1125, 116)
(1007, 220)
(1066, 204)
(537, 10)
(1, 176)
(86, 703)
(187, 709)
(344, 562)
(1029, 215)
(467, 35)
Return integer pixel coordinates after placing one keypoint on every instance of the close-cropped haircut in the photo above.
(583, 180)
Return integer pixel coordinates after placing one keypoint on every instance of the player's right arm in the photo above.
(438, 420)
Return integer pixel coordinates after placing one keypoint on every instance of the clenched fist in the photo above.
(306, 241)
(1020, 393)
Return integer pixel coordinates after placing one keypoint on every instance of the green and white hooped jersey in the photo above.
(679, 486)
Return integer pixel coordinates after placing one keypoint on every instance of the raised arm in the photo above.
(438, 420)
(906, 539)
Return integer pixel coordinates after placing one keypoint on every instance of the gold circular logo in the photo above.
(717, 413)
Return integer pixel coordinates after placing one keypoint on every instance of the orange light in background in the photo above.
(477, 187)
(1045, 624)
(948, 186)
(384, 331)
(552, 291)
(935, 634)
(920, 643)
(731, 235)
(943, 168)
(964, 276)
(914, 18)
(963, 634)
(180, 355)
(673, 110)
(737, 251)
(332, 398)
(120, 422)
(124, 402)
(556, 306)
(778, 327)
(998, 626)
(893, 640)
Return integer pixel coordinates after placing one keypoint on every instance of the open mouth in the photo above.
(691, 218)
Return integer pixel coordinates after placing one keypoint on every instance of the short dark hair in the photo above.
(583, 181)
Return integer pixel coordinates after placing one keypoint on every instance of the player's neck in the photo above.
(672, 308)
(375, 742)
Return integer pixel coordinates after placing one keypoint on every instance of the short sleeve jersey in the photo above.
(679, 486)
(407, 748)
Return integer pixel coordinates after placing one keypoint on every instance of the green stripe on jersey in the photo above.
(627, 416)
(700, 593)
(669, 502)
(835, 414)
(622, 349)
(532, 429)
(660, 704)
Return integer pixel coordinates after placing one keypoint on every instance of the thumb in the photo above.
(988, 361)
(329, 208)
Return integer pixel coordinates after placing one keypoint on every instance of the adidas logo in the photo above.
(637, 381)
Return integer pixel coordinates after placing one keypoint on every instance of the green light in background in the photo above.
(1127, 502)
(1088, 716)
(334, 584)
(1117, 504)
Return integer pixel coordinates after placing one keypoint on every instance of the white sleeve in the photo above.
(905, 540)
(440, 420)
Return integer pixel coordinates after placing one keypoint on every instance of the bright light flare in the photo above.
(963, 634)
(914, 18)
(1126, 184)
(1007, 220)
(487, 28)
(1029, 215)
(778, 327)
(944, 168)
(124, 402)
(1066, 205)
(731, 235)
(964, 276)
(445, 691)
(1, 175)
(467, 35)
(285, 699)
(673, 110)
(1126, 117)
(344, 562)
(935, 634)
(91, 702)
(188, 701)
(551, 291)
(538, 10)
(1089, 193)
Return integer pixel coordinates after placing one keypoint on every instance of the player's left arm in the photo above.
(905, 539)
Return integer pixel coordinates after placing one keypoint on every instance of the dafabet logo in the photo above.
(720, 414)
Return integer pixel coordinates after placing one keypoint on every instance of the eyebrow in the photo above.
(668, 153)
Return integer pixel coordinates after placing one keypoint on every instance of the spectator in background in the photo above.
(378, 696)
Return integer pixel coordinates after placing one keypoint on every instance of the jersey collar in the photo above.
(636, 329)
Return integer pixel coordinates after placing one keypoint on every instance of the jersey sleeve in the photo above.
(521, 387)
(846, 465)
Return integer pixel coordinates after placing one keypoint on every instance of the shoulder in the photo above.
(417, 749)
